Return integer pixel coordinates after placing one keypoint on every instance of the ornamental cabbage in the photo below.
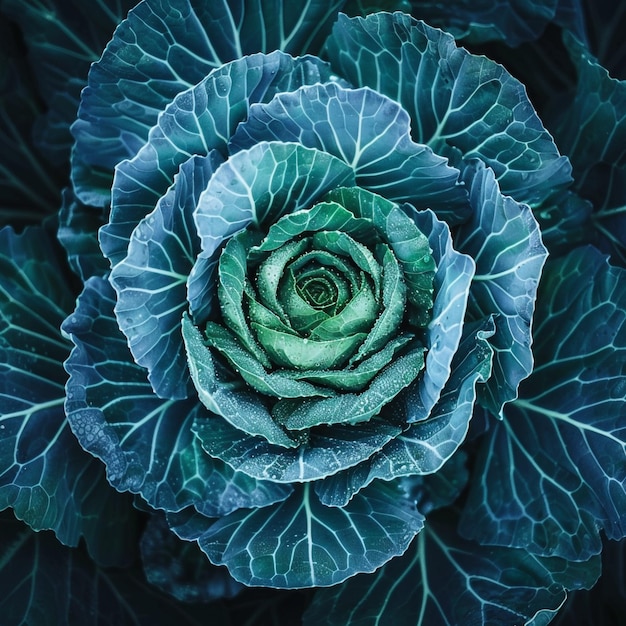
(316, 333)
(281, 251)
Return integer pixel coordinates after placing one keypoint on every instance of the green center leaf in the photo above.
(325, 314)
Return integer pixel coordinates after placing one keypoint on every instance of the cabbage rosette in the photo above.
(319, 269)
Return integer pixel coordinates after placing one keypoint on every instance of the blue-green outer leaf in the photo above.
(151, 281)
(198, 120)
(553, 473)
(78, 234)
(21, 201)
(512, 21)
(592, 132)
(329, 449)
(302, 543)
(503, 238)
(444, 579)
(460, 104)
(48, 584)
(161, 49)
(367, 130)
(48, 480)
(179, 568)
(146, 443)
(443, 334)
(63, 40)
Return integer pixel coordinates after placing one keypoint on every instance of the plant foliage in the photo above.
(306, 308)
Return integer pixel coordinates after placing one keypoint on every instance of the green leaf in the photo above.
(444, 579)
(274, 383)
(287, 350)
(460, 104)
(320, 217)
(230, 399)
(328, 450)
(553, 473)
(47, 584)
(352, 408)
(354, 378)
(503, 238)
(151, 282)
(231, 287)
(367, 130)
(409, 244)
(146, 443)
(388, 322)
(45, 476)
(196, 121)
(425, 446)
(302, 543)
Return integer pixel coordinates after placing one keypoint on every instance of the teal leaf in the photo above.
(63, 40)
(592, 132)
(179, 568)
(47, 584)
(257, 186)
(162, 49)
(444, 579)
(78, 234)
(427, 445)
(145, 442)
(45, 476)
(151, 282)
(232, 400)
(503, 238)
(565, 222)
(606, 601)
(451, 284)
(302, 543)
(460, 104)
(513, 22)
(21, 201)
(327, 451)
(443, 487)
(367, 130)
(552, 474)
(198, 120)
